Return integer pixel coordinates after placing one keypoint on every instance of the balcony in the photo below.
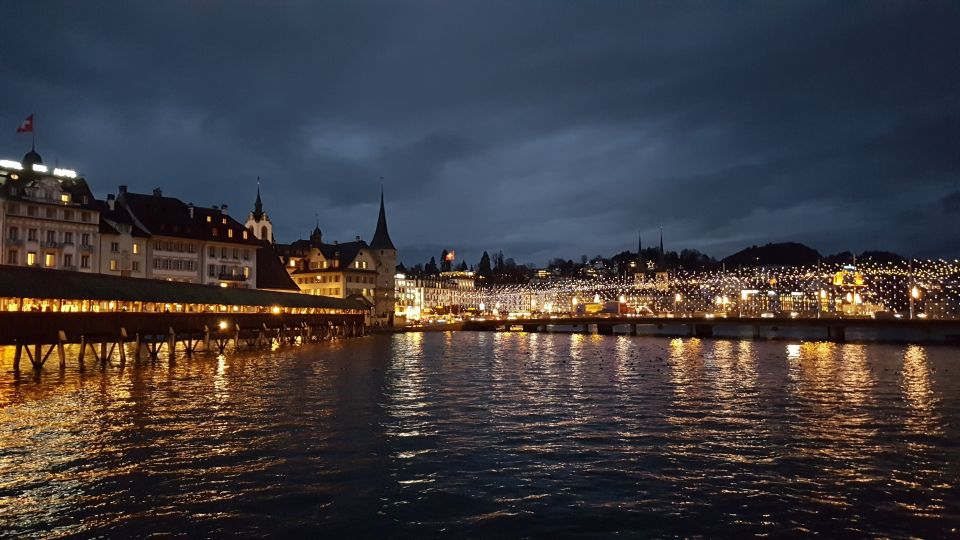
(86, 247)
(50, 245)
(231, 277)
(70, 267)
(14, 241)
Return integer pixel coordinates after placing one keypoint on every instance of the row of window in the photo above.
(67, 214)
(170, 245)
(228, 271)
(328, 291)
(224, 252)
(115, 265)
(214, 232)
(364, 292)
(164, 263)
(51, 237)
(361, 279)
(49, 259)
(115, 248)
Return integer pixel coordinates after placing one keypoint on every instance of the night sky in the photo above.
(544, 129)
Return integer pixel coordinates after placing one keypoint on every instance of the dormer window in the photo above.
(245, 235)
(224, 221)
(229, 233)
(209, 219)
(65, 197)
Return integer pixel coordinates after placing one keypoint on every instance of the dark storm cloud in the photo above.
(540, 128)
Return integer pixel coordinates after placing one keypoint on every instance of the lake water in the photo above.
(490, 434)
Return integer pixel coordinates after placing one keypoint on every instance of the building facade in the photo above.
(48, 219)
(347, 270)
(189, 243)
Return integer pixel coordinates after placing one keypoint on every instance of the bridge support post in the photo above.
(605, 329)
(206, 338)
(121, 343)
(16, 358)
(172, 344)
(633, 330)
(83, 351)
(756, 331)
(236, 337)
(61, 353)
(103, 353)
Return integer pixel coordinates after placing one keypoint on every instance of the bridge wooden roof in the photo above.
(24, 282)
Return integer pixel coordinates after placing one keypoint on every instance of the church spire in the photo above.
(640, 248)
(258, 206)
(381, 238)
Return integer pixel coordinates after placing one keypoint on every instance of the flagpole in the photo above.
(33, 132)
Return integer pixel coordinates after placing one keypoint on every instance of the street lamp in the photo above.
(676, 300)
(914, 296)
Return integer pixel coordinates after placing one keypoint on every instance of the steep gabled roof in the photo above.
(270, 271)
(168, 216)
(381, 238)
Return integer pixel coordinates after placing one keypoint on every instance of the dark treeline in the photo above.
(497, 269)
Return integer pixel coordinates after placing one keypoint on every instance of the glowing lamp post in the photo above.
(676, 302)
(914, 296)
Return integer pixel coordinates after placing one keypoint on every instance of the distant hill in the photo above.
(780, 254)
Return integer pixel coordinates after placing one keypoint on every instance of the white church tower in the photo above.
(258, 222)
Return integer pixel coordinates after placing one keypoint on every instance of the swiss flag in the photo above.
(26, 126)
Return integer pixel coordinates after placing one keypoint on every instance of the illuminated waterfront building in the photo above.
(349, 269)
(49, 217)
(449, 293)
(190, 243)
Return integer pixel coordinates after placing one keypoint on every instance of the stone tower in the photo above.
(385, 251)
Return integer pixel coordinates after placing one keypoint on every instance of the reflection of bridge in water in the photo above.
(826, 329)
(106, 316)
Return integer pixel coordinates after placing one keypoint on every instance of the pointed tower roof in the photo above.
(381, 238)
(258, 205)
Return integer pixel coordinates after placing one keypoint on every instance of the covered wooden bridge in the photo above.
(45, 310)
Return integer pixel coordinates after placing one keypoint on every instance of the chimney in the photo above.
(123, 189)
(157, 192)
(111, 202)
(190, 206)
(223, 209)
(358, 238)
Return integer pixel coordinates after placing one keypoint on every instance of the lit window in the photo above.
(31, 258)
(65, 197)
(114, 265)
(49, 260)
(244, 235)
(136, 248)
(229, 233)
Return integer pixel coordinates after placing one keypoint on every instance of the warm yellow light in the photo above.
(574, 301)
(623, 299)
(275, 310)
(823, 293)
(915, 293)
(223, 325)
(224, 285)
(677, 297)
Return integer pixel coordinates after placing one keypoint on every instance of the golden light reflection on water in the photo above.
(923, 417)
(524, 425)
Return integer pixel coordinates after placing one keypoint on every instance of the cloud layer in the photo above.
(540, 128)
